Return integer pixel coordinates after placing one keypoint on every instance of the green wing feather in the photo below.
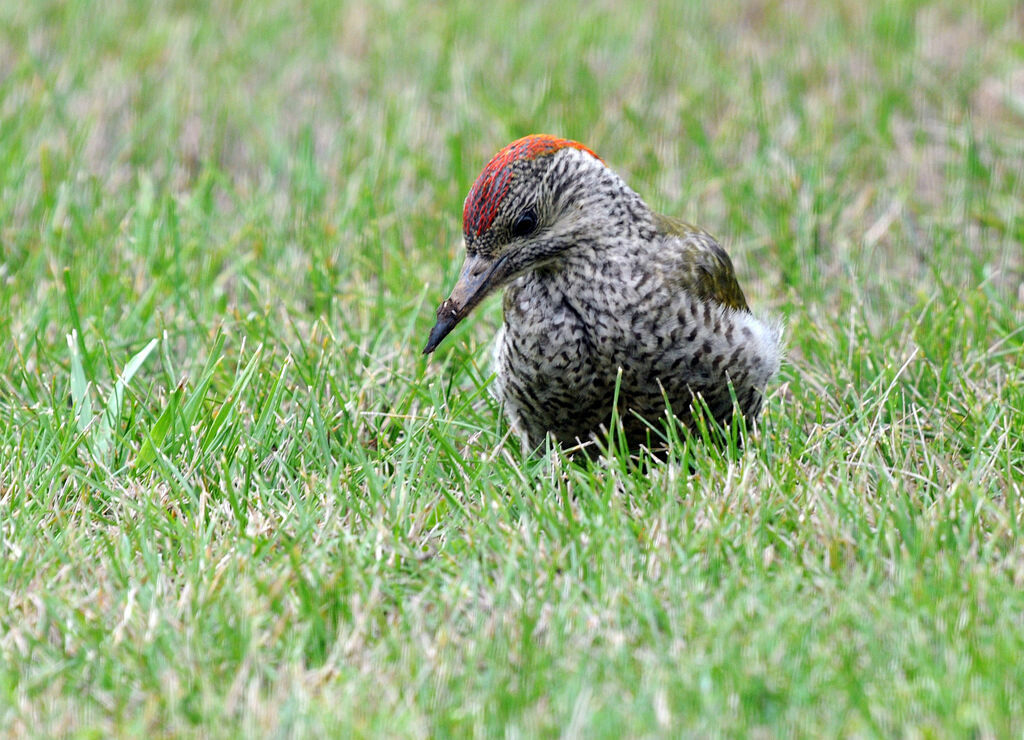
(703, 267)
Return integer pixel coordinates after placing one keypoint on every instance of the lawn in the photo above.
(236, 500)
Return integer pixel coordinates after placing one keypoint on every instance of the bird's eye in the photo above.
(524, 224)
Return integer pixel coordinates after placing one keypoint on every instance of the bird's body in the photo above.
(600, 293)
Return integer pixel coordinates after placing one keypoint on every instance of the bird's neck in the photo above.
(603, 257)
(620, 227)
(611, 211)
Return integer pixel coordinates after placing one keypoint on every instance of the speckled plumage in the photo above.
(596, 283)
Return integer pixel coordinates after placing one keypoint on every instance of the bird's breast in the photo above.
(550, 329)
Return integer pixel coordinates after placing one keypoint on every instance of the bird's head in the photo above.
(533, 201)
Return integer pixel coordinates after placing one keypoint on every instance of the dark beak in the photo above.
(479, 275)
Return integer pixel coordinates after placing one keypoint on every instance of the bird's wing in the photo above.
(699, 264)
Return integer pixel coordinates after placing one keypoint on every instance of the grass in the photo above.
(235, 500)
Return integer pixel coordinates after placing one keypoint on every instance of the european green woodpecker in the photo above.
(601, 292)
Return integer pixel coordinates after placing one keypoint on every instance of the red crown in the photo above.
(491, 187)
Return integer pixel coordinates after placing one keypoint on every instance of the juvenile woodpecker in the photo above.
(597, 284)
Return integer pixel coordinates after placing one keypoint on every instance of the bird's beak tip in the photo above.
(447, 318)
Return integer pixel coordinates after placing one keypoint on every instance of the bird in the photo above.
(610, 310)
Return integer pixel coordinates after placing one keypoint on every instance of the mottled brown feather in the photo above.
(705, 269)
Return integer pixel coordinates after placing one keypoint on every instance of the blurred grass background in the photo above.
(234, 499)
